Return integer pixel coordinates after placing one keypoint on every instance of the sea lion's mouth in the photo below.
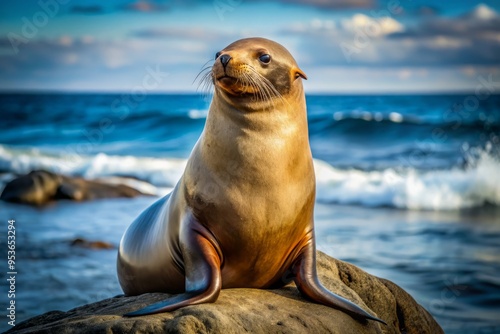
(227, 81)
(234, 86)
(225, 78)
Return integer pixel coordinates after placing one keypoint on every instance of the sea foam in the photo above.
(476, 185)
(452, 189)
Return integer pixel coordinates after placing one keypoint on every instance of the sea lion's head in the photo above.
(255, 73)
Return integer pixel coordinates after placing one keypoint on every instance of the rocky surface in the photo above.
(41, 187)
(255, 311)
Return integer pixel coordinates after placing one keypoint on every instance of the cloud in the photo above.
(108, 54)
(327, 42)
(481, 22)
(340, 79)
(482, 13)
(389, 48)
(179, 33)
(321, 4)
(361, 40)
(146, 6)
(470, 39)
(372, 26)
(151, 6)
(70, 62)
(141, 6)
(332, 4)
(347, 28)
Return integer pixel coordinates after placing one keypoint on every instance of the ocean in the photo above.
(408, 188)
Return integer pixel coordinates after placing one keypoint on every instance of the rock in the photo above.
(41, 187)
(255, 311)
(83, 243)
(33, 188)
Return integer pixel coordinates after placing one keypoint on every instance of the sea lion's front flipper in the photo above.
(202, 261)
(306, 279)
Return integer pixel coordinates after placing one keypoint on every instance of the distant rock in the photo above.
(41, 187)
(83, 243)
(254, 311)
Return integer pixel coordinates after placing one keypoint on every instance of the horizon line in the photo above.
(186, 92)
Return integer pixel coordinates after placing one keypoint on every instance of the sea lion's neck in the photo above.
(260, 141)
(279, 118)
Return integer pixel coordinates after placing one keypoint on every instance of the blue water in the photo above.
(408, 188)
(346, 131)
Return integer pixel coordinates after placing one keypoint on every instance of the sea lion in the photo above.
(241, 216)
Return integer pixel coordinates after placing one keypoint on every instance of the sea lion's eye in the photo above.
(217, 55)
(265, 58)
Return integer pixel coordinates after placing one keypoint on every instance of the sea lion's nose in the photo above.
(224, 59)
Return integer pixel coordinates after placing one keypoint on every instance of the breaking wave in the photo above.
(475, 185)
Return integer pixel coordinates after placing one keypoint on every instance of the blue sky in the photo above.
(344, 46)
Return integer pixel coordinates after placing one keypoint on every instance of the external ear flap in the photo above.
(300, 73)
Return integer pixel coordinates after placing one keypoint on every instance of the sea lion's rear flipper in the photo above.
(202, 262)
(306, 279)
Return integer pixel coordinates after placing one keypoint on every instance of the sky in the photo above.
(344, 46)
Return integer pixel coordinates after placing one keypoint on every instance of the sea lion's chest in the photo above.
(260, 189)
(257, 210)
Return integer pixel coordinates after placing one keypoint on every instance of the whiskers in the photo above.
(264, 89)
(249, 82)
(205, 80)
